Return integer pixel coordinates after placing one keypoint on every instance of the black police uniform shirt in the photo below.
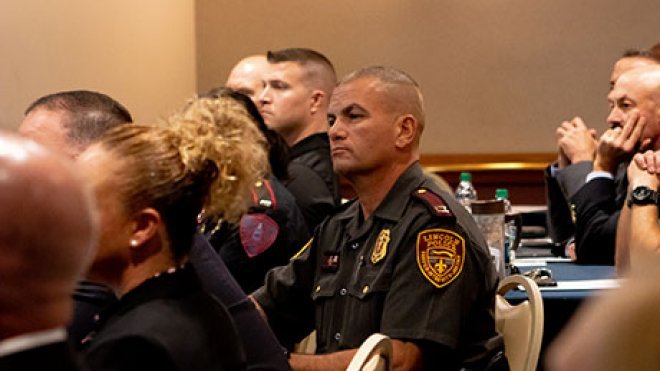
(418, 269)
(166, 323)
(312, 180)
(268, 235)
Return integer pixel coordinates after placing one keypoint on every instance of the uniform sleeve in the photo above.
(596, 215)
(286, 296)
(417, 309)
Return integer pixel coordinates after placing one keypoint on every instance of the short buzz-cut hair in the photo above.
(308, 59)
(394, 80)
(299, 55)
(89, 114)
(646, 54)
(654, 51)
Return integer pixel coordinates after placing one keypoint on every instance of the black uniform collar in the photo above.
(391, 208)
(311, 143)
(394, 204)
(165, 284)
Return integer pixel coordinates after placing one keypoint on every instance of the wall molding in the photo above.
(440, 163)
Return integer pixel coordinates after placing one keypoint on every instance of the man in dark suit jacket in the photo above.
(635, 124)
(47, 237)
(577, 147)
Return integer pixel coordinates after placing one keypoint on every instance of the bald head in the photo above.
(638, 90)
(247, 76)
(47, 236)
(628, 63)
(645, 77)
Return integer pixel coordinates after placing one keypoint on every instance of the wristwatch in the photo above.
(643, 195)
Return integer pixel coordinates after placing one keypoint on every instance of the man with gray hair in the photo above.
(576, 144)
(47, 240)
(404, 259)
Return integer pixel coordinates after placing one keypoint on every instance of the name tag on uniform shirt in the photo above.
(330, 262)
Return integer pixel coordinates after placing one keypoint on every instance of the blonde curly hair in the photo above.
(208, 155)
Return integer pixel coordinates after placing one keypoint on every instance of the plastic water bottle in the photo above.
(465, 192)
(509, 227)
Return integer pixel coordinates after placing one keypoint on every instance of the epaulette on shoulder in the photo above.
(433, 201)
(263, 196)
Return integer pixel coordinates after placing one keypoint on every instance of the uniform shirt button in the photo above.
(337, 336)
(343, 292)
(355, 245)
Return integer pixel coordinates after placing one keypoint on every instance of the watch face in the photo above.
(643, 196)
(642, 193)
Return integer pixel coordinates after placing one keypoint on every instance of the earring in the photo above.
(133, 242)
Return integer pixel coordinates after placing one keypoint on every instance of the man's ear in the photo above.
(317, 101)
(407, 127)
(146, 224)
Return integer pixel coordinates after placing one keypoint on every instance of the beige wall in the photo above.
(141, 52)
(498, 75)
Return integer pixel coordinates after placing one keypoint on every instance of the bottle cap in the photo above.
(501, 193)
(466, 177)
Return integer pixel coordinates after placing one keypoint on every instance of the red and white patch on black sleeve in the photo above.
(258, 232)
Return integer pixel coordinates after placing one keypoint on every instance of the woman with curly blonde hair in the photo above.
(150, 184)
(274, 228)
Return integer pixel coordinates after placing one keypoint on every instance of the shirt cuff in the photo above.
(598, 175)
(31, 340)
(554, 170)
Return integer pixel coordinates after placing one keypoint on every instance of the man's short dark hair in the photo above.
(89, 114)
(654, 51)
(319, 71)
(299, 55)
(651, 54)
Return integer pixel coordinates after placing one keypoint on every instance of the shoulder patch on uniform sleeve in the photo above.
(258, 232)
(434, 202)
(440, 255)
